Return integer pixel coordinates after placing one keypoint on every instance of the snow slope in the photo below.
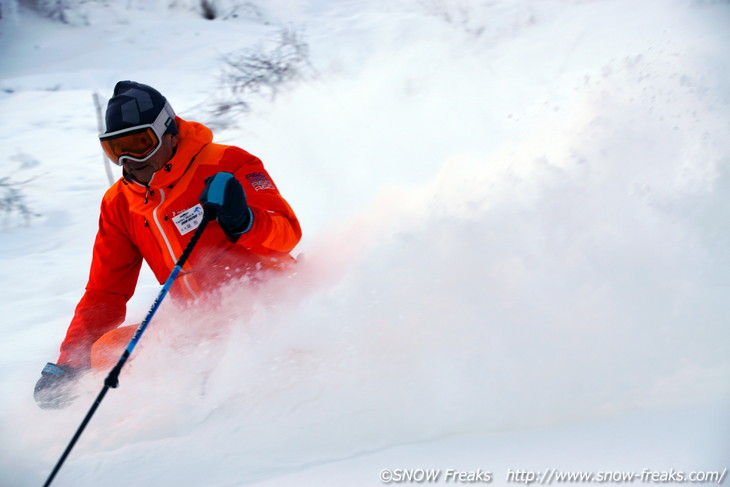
(515, 252)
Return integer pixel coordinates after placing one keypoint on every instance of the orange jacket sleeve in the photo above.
(275, 229)
(115, 267)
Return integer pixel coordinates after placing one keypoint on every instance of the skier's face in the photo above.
(143, 171)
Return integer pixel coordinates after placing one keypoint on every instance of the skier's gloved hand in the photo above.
(223, 198)
(54, 390)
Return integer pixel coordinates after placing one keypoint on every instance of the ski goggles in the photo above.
(137, 144)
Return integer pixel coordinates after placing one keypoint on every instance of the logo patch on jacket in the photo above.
(260, 181)
(188, 220)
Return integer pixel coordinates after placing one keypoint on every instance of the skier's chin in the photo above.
(142, 173)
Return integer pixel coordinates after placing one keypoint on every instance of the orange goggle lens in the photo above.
(136, 144)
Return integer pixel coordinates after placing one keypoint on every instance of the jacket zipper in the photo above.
(167, 242)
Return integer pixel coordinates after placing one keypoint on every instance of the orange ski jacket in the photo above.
(155, 222)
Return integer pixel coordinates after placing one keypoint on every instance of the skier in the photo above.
(150, 214)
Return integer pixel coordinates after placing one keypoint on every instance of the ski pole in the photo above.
(112, 380)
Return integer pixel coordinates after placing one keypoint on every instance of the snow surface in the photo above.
(516, 250)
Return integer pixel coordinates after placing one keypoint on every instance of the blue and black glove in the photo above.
(223, 199)
(54, 390)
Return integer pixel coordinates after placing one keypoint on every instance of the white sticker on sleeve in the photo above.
(188, 220)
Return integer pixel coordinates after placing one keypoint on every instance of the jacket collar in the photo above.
(192, 137)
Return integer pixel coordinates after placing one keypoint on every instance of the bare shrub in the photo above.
(231, 9)
(490, 20)
(262, 72)
(13, 207)
(65, 11)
